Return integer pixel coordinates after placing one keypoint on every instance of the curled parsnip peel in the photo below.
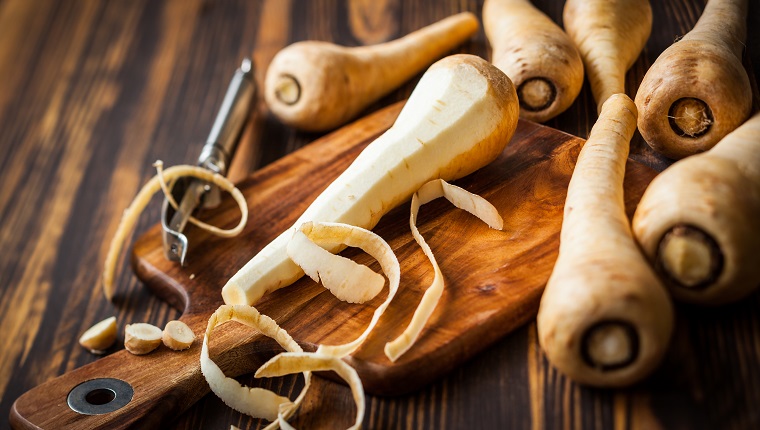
(462, 199)
(256, 402)
(372, 244)
(288, 363)
(98, 338)
(459, 118)
(141, 200)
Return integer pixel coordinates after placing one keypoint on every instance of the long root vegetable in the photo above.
(698, 91)
(459, 118)
(317, 86)
(699, 221)
(604, 319)
(536, 54)
(610, 35)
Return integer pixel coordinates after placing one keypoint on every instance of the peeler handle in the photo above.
(222, 141)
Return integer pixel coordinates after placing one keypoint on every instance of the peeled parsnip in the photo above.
(698, 91)
(459, 118)
(610, 35)
(536, 54)
(699, 221)
(604, 317)
(317, 86)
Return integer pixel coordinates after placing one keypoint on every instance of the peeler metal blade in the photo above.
(216, 155)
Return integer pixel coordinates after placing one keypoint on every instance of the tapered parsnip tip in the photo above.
(689, 257)
(98, 338)
(141, 338)
(178, 336)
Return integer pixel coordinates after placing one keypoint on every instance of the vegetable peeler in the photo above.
(216, 155)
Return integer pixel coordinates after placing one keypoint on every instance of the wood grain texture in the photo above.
(92, 92)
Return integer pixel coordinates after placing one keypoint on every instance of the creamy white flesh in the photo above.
(438, 134)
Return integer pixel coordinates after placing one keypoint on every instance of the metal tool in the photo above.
(216, 156)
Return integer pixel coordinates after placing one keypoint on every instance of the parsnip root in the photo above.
(141, 338)
(98, 338)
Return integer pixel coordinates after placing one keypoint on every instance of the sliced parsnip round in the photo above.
(177, 335)
(158, 182)
(141, 338)
(98, 338)
(256, 402)
(336, 233)
(462, 199)
(288, 363)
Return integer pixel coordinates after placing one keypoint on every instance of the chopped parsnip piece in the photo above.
(177, 335)
(141, 338)
(98, 338)
(158, 182)
(462, 199)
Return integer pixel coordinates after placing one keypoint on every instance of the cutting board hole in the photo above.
(100, 396)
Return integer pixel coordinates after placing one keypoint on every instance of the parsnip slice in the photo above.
(98, 338)
(141, 338)
(336, 233)
(256, 402)
(462, 199)
(177, 336)
(158, 182)
(288, 363)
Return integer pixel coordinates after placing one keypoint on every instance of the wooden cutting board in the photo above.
(493, 279)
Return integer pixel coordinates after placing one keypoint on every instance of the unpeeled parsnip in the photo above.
(610, 35)
(604, 317)
(536, 54)
(698, 91)
(317, 86)
(699, 221)
(459, 118)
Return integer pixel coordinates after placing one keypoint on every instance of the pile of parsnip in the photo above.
(606, 315)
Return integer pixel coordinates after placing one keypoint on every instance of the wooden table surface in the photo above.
(92, 92)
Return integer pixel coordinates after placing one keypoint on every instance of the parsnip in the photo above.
(177, 335)
(458, 119)
(698, 91)
(604, 317)
(141, 338)
(610, 35)
(98, 338)
(536, 54)
(699, 220)
(317, 86)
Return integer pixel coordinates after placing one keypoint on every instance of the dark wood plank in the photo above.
(92, 92)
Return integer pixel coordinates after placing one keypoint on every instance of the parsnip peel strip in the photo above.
(462, 199)
(288, 363)
(334, 233)
(256, 402)
(347, 280)
(141, 200)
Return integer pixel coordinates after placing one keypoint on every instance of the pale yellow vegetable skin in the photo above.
(317, 86)
(98, 338)
(459, 118)
(604, 319)
(610, 35)
(536, 54)
(699, 220)
(697, 90)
